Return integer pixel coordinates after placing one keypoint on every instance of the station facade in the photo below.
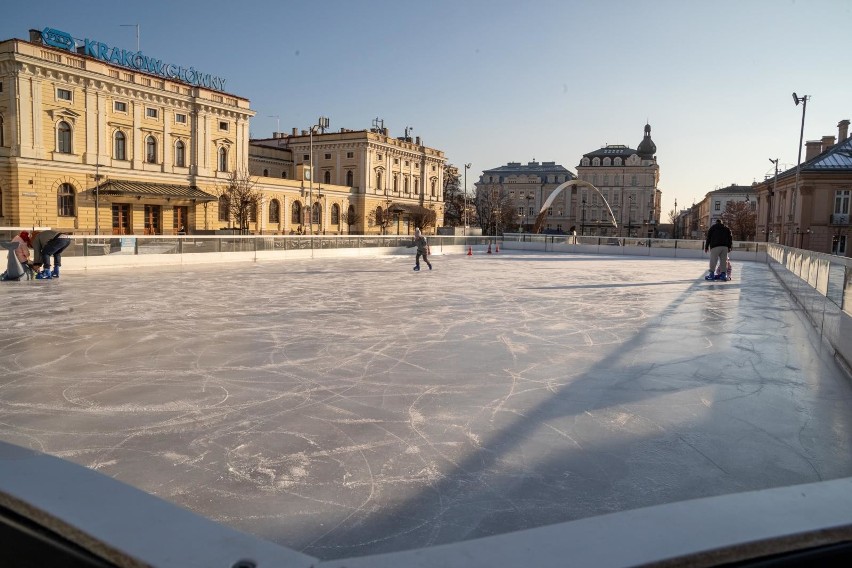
(95, 139)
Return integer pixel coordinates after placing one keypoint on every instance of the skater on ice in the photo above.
(47, 245)
(719, 243)
(422, 249)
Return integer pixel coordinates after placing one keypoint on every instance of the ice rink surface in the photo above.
(345, 407)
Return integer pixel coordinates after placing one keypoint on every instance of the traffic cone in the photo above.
(469, 251)
(496, 248)
(489, 248)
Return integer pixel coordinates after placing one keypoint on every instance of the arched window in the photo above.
(585, 162)
(416, 187)
(119, 150)
(63, 137)
(350, 215)
(405, 185)
(379, 179)
(180, 154)
(380, 216)
(596, 162)
(434, 186)
(326, 177)
(265, 173)
(224, 208)
(606, 161)
(350, 178)
(316, 213)
(335, 214)
(253, 212)
(617, 161)
(296, 213)
(395, 183)
(66, 200)
(151, 150)
(274, 212)
(223, 160)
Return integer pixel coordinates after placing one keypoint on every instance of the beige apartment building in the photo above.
(628, 181)
(811, 210)
(94, 138)
(364, 181)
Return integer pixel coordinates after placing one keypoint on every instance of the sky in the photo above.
(492, 81)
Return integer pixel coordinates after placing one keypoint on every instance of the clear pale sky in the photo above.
(490, 82)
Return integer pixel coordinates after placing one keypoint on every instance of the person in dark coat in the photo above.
(719, 243)
(47, 245)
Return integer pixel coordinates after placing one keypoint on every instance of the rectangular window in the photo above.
(119, 106)
(152, 113)
(717, 206)
(223, 126)
(63, 94)
(350, 154)
(306, 158)
(841, 201)
(328, 156)
(180, 118)
(1, 86)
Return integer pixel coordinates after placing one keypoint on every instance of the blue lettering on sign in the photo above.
(133, 60)
(57, 38)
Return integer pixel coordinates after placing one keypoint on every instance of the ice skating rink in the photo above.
(344, 407)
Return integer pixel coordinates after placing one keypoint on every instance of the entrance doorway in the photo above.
(181, 216)
(153, 215)
(121, 219)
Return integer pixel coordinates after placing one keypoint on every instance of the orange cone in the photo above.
(489, 248)
(469, 251)
(496, 248)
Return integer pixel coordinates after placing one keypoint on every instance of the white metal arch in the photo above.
(576, 182)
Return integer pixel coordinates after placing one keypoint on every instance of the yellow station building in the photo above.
(96, 139)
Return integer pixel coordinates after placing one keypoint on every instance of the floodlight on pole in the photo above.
(804, 100)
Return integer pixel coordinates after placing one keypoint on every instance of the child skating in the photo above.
(422, 250)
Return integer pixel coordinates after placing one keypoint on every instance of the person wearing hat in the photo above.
(24, 244)
(719, 243)
(47, 244)
(422, 250)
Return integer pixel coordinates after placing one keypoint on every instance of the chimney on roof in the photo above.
(827, 142)
(417, 140)
(843, 130)
(295, 131)
(812, 149)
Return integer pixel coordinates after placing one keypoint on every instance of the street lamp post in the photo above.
(804, 100)
(676, 220)
(466, 167)
(97, 197)
(769, 198)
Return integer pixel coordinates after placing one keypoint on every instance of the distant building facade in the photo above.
(628, 180)
(818, 214)
(525, 188)
(358, 175)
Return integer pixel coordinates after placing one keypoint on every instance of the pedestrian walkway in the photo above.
(345, 407)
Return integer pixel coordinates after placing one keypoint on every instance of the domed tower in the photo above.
(647, 148)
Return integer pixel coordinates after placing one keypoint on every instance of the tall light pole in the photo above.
(466, 167)
(676, 219)
(769, 199)
(804, 100)
(97, 197)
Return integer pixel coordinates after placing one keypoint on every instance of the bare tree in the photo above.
(381, 218)
(351, 218)
(240, 199)
(422, 217)
(493, 208)
(741, 218)
(453, 197)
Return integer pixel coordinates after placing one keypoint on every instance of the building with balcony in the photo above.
(364, 181)
(628, 181)
(811, 209)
